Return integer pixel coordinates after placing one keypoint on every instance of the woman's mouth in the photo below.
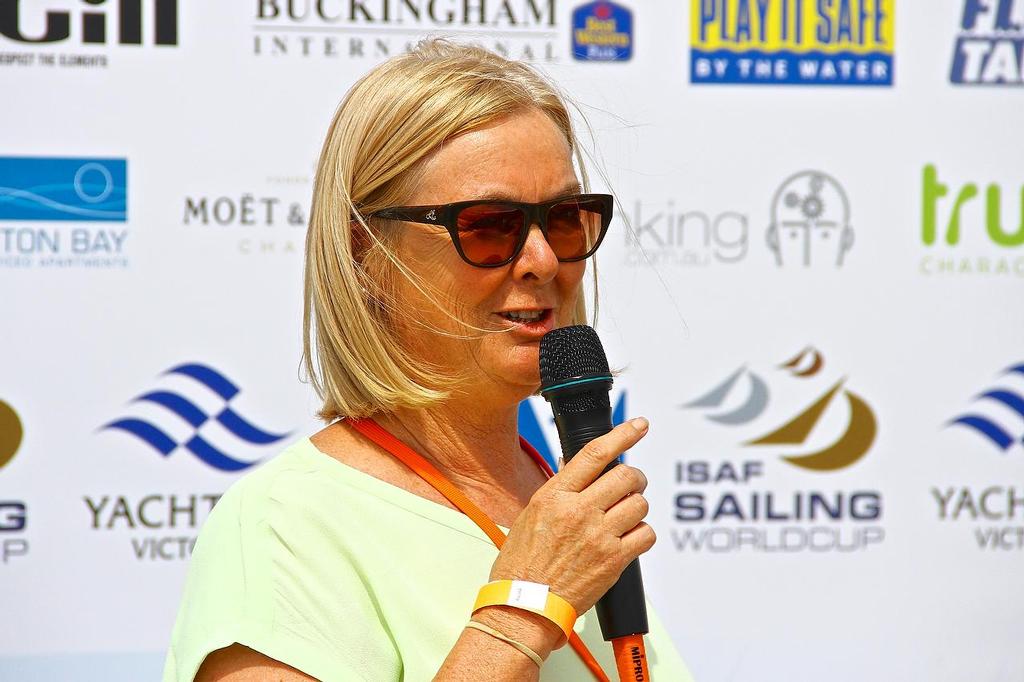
(534, 322)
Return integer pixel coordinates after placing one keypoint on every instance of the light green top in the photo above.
(345, 577)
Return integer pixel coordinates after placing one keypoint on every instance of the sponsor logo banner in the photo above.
(734, 501)
(13, 513)
(989, 49)
(602, 32)
(792, 42)
(63, 190)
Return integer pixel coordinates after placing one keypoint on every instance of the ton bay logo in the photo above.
(265, 223)
(93, 24)
(377, 29)
(78, 191)
(724, 503)
(960, 227)
(989, 49)
(810, 221)
(792, 42)
(994, 513)
(196, 414)
(13, 513)
(602, 32)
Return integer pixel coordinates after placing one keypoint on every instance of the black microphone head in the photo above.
(570, 353)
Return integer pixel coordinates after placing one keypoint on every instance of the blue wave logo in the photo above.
(531, 426)
(996, 429)
(63, 189)
(222, 389)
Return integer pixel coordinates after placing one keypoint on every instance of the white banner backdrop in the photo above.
(816, 301)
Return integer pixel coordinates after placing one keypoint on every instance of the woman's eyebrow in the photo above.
(501, 195)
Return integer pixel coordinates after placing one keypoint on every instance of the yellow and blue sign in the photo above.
(602, 31)
(792, 42)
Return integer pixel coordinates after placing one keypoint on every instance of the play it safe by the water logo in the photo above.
(792, 42)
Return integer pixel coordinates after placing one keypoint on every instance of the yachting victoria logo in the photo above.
(810, 221)
(725, 501)
(995, 512)
(792, 42)
(72, 190)
(602, 32)
(197, 416)
(989, 49)
(94, 24)
(997, 413)
(525, 30)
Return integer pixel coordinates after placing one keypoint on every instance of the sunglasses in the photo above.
(489, 234)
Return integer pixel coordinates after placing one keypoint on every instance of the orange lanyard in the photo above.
(425, 470)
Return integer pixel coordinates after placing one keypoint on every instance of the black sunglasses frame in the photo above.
(446, 215)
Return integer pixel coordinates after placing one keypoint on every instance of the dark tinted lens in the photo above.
(574, 226)
(488, 232)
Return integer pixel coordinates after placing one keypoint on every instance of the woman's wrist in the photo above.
(526, 627)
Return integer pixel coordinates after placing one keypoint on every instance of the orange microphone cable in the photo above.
(631, 658)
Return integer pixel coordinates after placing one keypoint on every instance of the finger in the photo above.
(638, 540)
(589, 462)
(613, 485)
(626, 514)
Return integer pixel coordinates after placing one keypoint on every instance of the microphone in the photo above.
(575, 380)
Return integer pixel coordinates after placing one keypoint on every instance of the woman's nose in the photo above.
(536, 260)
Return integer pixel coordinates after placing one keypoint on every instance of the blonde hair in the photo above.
(389, 121)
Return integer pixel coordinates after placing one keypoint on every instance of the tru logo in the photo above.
(936, 193)
(92, 22)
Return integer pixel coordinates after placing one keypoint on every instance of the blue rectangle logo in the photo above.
(63, 189)
(602, 31)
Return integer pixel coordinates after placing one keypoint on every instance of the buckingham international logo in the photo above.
(997, 413)
(810, 221)
(989, 49)
(212, 435)
(726, 502)
(526, 30)
(792, 42)
(602, 32)
(965, 230)
(29, 26)
(36, 190)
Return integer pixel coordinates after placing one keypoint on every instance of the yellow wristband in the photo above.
(528, 596)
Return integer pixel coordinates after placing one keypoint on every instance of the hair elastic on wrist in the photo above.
(533, 655)
(528, 596)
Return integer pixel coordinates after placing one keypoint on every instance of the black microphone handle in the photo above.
(622, 610)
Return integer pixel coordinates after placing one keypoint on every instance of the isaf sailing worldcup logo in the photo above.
(721, 504)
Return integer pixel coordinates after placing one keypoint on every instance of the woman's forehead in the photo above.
(524, 157)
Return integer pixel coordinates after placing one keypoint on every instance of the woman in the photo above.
(448, 234)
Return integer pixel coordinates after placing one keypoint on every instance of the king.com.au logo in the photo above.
(792, 42)
(197, 415)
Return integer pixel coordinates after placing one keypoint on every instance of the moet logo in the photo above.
(91, 23)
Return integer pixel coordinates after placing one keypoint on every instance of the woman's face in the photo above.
(523, 157)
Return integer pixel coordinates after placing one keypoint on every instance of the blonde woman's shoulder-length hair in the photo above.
(386, 125)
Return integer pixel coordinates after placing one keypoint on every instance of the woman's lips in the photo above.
(532, 328)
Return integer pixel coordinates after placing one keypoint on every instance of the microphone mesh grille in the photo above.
(569, 352)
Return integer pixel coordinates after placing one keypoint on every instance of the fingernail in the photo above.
(639, 423)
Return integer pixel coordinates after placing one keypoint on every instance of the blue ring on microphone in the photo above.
(576, 382)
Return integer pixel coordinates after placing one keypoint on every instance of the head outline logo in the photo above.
(991, 428)
(185, 409)
(11, 433)
(819, 211)
(855, 441)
